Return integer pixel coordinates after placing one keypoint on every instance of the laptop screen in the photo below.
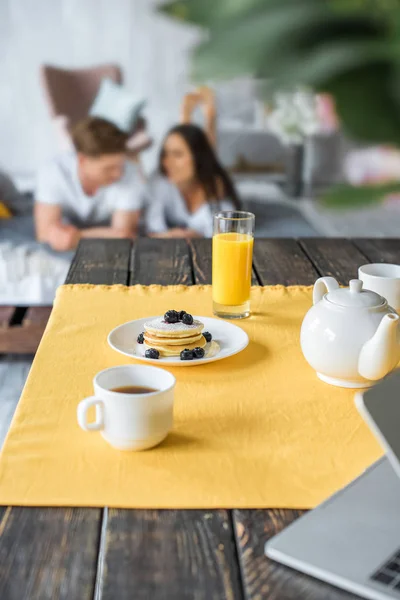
(380, 407)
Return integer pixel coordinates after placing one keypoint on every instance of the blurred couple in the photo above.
(97, 191)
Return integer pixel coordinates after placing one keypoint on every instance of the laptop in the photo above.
(352, 540)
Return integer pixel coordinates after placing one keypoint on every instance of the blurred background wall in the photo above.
(152, 50)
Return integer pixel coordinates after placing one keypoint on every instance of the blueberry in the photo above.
(198, 352)
(207, 335)
(171, 316)
(140, 338)
(186, 354)
(181, 313)
(187, 319)
(152, 353)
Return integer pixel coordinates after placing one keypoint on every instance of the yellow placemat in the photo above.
(255, 430)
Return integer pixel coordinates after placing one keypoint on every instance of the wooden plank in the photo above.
(201, 252)
(99, 277)
(153, 528)
(103, 262)
(24, 338)
(167, 554)
(20, 339)
(48, 553)
(52, 553)
(162, 262)
(380, 250)
(276, 261)
(170, 554)
(335, 257)
(264, 578)
(282, 261)
(37, 314)
(6, 314)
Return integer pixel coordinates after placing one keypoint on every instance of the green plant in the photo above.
(349, 48)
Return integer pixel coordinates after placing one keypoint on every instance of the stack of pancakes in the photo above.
(171, 338)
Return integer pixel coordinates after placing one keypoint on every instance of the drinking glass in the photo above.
(232, 256)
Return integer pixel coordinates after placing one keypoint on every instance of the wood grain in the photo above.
(201, 252)
(162, 262)
(101, 262)
(167, 554)
(282, 261)
(335, 257)
(48, 553)
(264, 578)
(185, 555)
(37, 314)
(277, 262)
(22, 329)
(6, 313)
(21, 339)
(380, 250)
(53, 553)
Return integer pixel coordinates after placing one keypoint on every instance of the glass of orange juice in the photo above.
(232, 257)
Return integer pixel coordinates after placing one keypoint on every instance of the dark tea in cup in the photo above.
(134, 389)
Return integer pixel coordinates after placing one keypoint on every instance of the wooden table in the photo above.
(109, 554)
(21, 328)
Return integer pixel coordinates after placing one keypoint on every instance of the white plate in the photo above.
(227, 340)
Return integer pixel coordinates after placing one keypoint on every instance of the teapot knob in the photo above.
(355, 286)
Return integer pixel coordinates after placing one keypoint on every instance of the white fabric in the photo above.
(61, 124)
(165, 208)
(58, 184)
(117, 105)
(30, 276)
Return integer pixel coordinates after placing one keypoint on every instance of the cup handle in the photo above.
(83, 407)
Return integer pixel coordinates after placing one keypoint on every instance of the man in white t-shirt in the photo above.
(94, 192)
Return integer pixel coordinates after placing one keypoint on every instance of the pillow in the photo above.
(4, 212)
(117, 105)
(61, 124)
(10, 198)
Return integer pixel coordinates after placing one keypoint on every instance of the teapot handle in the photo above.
(323, 285)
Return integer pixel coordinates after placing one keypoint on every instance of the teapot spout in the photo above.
(381, 353)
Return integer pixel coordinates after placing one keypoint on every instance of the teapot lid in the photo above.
(354, 295)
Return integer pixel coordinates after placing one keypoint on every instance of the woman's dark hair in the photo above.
(208, 170)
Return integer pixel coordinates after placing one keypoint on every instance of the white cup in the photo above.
(384, 279)
(130, 421)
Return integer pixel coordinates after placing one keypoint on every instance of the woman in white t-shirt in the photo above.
(191, 184)
(94, 192)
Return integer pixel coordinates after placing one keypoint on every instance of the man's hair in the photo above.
(94, 136)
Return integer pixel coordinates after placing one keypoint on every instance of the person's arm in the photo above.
(177, 232)
(51, 230)
(203, 96)
(49, 196)
(210, 113)
(189, 103)
(124, 225)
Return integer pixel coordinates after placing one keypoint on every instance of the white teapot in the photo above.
(351, 336)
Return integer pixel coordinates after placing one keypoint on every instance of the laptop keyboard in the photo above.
(389, 573)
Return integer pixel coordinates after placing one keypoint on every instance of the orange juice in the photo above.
(232, 255)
